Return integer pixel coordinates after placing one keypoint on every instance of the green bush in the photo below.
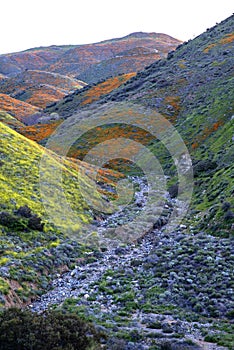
(54, 330)
(12, 222)
(203, 165)
(173, 190)
(21, 220)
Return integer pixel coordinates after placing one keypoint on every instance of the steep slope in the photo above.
(193, 89)
(39, 132)
(32, 249)
(18, 109)
(65, 107)
(91, 93)
(48, 121)
(10, 121)
(39, 88)
(170, 288)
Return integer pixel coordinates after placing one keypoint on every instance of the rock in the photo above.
(166, 328)
(4, 271)
(183, 227)
(185, 270)
(189, 280)
(119, 251)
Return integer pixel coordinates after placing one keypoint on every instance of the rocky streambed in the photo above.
(167, 290)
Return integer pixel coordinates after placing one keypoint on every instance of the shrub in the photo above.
(4, 286)
(35, 223)
(24, 211)
(229, 215)
(117, 344)
(230, 314)
(203, 165)
(166, 346)
(11, 221)
(24, 330)
(173, 190)
(170, 55)
(226, 206)
(22, 219)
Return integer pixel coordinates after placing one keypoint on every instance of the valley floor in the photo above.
(120, 293)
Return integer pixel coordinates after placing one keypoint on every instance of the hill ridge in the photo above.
(56, 58)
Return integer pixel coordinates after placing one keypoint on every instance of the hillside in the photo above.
(75, 60)
(18, 109)
(32, 249)
(157, 273)
(101, 54)
(91, 93)
(39, 88)
(136, 58)
(191, 89)
(44, 75)
(10, 121)
(50, 121)
(38, 58)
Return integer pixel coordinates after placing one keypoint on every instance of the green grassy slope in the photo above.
(31, 248)
(9, 120)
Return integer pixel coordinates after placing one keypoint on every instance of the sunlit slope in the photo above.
(22, 172)
(18, 109)
(38, 237)
(10, 121)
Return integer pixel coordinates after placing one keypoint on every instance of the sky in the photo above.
(32, 23)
